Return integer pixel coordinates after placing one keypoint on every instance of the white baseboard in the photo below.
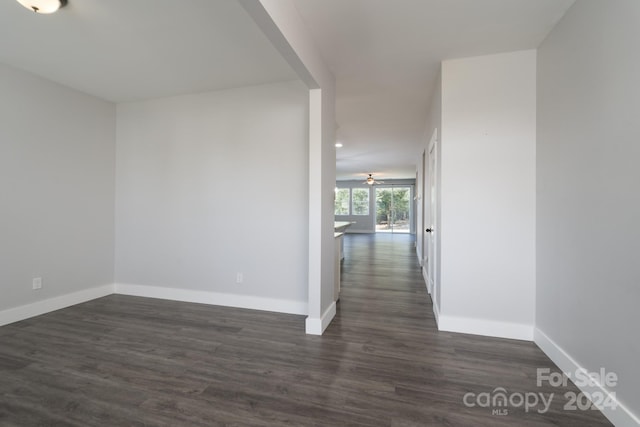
(348, 231)
(230, 300)
(213, 298)
(316, 326)
(621, 416)
(427, 282)
(488, 328)
(436, 313)
(52, 304)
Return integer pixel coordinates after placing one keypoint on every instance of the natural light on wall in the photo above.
(43, 6)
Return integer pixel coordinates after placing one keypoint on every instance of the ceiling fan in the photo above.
(370, 180)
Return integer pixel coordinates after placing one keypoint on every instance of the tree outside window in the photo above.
(342, 201)
(393, 208)
(360, 201)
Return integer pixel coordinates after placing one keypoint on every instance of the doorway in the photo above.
(430, 214)
(394, 209)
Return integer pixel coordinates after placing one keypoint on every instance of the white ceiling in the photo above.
(385, 55)
(125, 50)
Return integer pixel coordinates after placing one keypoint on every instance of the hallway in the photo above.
(386, 321)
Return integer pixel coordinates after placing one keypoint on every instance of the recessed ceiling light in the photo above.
(43, 6)
(338, 144)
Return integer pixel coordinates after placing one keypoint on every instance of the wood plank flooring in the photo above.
(129, 361)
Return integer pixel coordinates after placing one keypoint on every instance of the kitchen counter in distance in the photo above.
(340, 227)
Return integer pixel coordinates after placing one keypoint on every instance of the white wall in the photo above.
(214, 184)
(488, 195)
(57, 149)
(588, 210)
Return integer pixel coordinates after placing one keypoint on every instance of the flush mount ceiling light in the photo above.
(43, 6)
(338, 144)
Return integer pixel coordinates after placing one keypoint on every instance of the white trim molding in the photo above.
(427, 282)
(315, 326)
(214, 298)
(488, 328)
(621, 416)
(436, 312)
(38, 308)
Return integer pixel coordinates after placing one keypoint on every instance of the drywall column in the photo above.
(315, 211)
(488, 195)
(282, 24)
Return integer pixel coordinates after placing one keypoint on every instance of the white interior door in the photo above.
(431, 201)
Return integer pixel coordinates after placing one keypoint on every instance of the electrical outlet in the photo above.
(239, 278)
(37, 283)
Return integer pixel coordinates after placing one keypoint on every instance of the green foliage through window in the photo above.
(393, 207)
(342, 201)
(360, 201)
(352, 201)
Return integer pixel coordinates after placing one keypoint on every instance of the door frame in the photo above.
(422, 194)
(430, 210)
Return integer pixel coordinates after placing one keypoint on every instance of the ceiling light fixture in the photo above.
(338, 144)
(43, 6)
(370, 180)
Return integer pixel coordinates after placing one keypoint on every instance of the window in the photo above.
(342, 201)
(352, 201)
(360, 201)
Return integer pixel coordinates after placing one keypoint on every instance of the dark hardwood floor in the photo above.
(128, 361)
